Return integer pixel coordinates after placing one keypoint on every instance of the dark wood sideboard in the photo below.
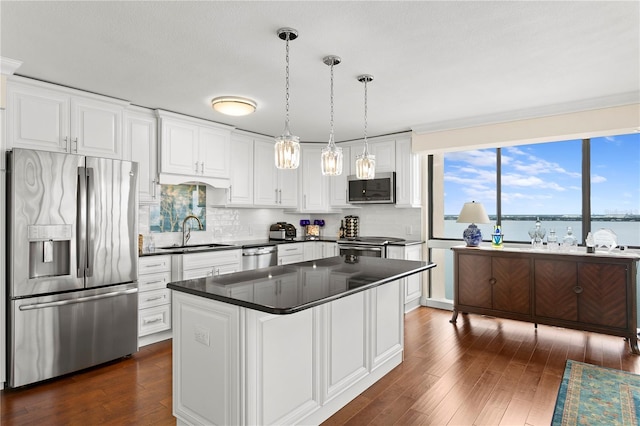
(591, 292)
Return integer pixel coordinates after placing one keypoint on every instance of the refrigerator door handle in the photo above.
(90, 215)
(81, 224)
(77, 300)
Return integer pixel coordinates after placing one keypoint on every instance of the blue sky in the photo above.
(546, 178)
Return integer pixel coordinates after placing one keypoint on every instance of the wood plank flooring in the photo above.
(482, 371)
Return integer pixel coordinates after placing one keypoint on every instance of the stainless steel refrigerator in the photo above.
(72, 263)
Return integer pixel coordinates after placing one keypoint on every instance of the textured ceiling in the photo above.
(435, 64)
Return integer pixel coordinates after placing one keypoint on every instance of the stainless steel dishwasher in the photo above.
(259, 257)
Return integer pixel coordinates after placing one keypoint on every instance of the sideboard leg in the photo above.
(633, 345)
(454, 317)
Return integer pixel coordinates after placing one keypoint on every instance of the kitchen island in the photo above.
(286, 344)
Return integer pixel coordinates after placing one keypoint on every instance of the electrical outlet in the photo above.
(202, 335)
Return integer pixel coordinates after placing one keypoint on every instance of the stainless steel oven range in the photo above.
(366, 246)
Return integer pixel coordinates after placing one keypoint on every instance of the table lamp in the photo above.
(472, 213)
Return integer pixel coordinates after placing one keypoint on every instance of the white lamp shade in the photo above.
(233, 105)
(331, 161)
(473, 213)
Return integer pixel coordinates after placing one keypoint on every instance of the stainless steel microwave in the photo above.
(381, 190)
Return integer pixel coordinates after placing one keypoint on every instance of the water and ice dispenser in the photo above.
(49, 250)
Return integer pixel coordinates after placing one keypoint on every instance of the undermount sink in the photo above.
(193, 247)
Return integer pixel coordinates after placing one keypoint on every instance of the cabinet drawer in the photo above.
(153, 320)
(208, 259)
(291, 249)
(153, 264)
(149, 299)
(153, 281)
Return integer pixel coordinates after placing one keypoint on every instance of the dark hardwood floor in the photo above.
(482, 371)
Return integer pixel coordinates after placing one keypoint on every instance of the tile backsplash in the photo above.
(234, 225)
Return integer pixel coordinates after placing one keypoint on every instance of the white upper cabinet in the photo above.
(141, 139)
(408, 175)
(272, 187)
(338, 185)
(241, 190)
(192, 149)
(383, 148)
(315, 186)
(48, 117)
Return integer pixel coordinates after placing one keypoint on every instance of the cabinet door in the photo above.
(338, 187)
(96, 128)
(288, 188)
(140, 134)
(265, 175)
(241, 171)
(555, 289)
(288, 290)
(512, 284)
(408, 175)
(179, 148)
(214, 152)
(474, 281)
(314, 285)
(603, 296)
(37, 118)
(385, 152)
(314, 184)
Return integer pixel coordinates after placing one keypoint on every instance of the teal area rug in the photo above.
(592, 395)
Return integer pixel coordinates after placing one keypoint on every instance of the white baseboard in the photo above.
(445, 304)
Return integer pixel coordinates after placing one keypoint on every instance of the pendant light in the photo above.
(331, 159)
(287, 147)
(365, 162)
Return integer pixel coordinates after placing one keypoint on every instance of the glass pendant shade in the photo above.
(287, 151)
(331, 158)
(365, 162)
(287, 147)
(366, 166)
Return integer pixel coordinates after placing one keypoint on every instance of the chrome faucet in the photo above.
(186, 232)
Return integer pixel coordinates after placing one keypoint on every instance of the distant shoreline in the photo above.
(548, 218)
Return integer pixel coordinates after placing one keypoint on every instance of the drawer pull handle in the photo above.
(154, 265)
(154, 282)
(152, 321)
(577, 289)
(151, 299)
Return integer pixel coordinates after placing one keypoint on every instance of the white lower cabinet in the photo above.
(413, 283)
(290, 253)
(209, 264)
(234, 365)
(320, 249)
(154, 299)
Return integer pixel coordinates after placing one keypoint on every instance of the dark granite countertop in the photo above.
(233, 245)
(291, 288)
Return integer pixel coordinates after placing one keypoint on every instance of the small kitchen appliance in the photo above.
(282, 231)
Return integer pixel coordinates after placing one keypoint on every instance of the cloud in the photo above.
(513, 179)
(478, 158)
(598, 179)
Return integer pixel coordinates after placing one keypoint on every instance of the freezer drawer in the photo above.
(62, 333)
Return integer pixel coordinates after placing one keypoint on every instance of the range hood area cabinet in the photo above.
(48, 117)
(193, 150)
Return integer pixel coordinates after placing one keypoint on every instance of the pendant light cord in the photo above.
(331, 141)
(366, 144)
(286, 119)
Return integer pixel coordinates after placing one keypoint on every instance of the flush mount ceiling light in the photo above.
(233, 105)
(331, 159)
(365, 162)
(287, 148)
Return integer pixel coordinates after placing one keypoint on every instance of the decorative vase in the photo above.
(497, 237)
(472, 236)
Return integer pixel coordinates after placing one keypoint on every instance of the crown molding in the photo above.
(9, 66)
(524, 114)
